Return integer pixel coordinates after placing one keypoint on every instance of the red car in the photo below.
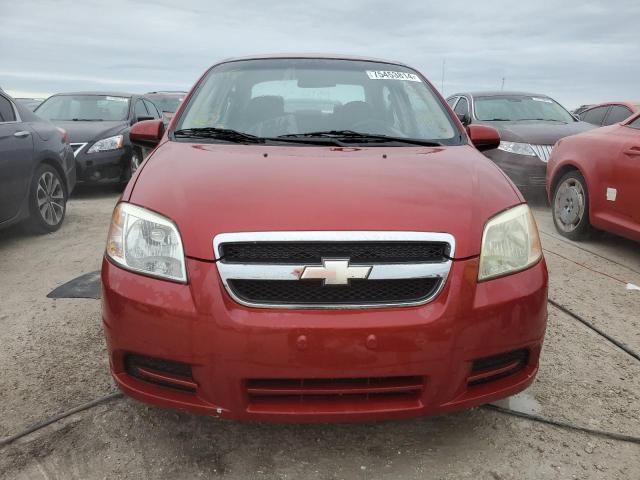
(604, 114)
(593, 181)
(317, 239)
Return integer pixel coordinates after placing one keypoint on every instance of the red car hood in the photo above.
(212, 188)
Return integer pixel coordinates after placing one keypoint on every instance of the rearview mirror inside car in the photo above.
(147, 133)
(483, 137)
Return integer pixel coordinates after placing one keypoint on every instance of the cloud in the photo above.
(576, 51)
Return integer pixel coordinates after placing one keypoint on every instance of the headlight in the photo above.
(111, 143)
(510, 243)
(517, 148)
(145, 242)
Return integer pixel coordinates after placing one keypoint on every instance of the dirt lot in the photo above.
(53, 358)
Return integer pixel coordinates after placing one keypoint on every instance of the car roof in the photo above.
(498, 93)
(325, 56)
(635, 106)
(101, 92)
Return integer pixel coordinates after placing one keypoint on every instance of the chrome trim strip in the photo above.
(231, 271)
(76, 152)
(543, 152)
(387, 271)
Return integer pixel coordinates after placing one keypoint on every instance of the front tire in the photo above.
(132, 167)
(47, 200)
(570, 207)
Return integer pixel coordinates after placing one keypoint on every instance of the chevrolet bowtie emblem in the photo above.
(335, 272)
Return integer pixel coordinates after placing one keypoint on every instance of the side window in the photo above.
(635, 124)
(617, 114)
(452, 101)
(153, 111)
(140, 110)
(595, 115)
(7, 114)
(462, 108)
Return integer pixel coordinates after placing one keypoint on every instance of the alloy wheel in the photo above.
(50, 198)
(135, 162)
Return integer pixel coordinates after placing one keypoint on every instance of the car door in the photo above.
(626, 172)
(16, 155)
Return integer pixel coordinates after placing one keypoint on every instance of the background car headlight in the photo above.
(510, 243)
(110, 143)
(518, 148)
(146, 242)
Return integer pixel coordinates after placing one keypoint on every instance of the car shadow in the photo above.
(85, 191)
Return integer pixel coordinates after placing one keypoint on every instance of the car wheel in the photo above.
(134, 164)
(47, 200)
(571, 206)
(136, 160)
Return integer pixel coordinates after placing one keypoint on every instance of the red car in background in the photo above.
(593, 181)
(604, 114)
(318, 238)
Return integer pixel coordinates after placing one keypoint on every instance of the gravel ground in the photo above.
(53, 358)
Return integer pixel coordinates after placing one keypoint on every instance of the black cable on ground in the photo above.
(575, 316)
(60, 416)
(556, 423)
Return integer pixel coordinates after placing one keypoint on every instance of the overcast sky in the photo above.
(574, 50)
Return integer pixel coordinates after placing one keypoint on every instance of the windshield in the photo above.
(520, 107)
(166, 103)
(84, 107)
(278, 97)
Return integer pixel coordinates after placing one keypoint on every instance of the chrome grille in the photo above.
(542, 151)
(402, 268)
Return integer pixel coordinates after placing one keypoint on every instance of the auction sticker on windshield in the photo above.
(390, 75)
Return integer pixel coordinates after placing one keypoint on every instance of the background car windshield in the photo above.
(84, 107)
(166, 103)
(276, 97)
(520, 107)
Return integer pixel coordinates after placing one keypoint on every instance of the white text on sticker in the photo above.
(389, 75)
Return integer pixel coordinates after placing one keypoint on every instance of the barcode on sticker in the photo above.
(391, 75)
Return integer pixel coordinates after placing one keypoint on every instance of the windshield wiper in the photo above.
(496, 120)
(86, 120)
(361, 137)
(542, 120)
(219, 134)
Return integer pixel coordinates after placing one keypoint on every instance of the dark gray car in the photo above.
(37, 168)
(98, 124)
(529, 125)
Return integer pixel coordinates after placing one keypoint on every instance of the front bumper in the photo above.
(523, 170)
(102, 166)
(229, 345)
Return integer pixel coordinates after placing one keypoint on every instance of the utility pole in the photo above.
(502, 87)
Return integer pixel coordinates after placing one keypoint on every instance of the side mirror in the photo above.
(147, 133)
(483, 137)
(142, 118)
(464, 118)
